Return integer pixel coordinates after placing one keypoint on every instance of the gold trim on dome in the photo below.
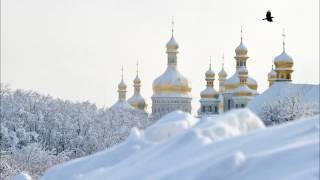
(170, 88)
(242, 94)
(210, 96)
(234, 86)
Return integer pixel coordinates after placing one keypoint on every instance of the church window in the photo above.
(242, 105)
(210, 108)
(203, 108)
(236, 105)
(216, 109)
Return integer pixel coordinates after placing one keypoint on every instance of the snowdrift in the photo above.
(307, 92)
(234, 145)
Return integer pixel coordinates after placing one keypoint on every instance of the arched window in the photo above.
(216, 109)
(237, 106)
(203, 108)
(210, 108)
(242, 105)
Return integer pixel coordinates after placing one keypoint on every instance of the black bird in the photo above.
(268, 16)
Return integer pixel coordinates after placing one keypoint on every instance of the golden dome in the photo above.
(172, 45)
(283, 61)
(209, 93)
(234, 81)
(137, 80)
(241, 49)
(171, 81)
(272, 74)
(210, 73)
(243, 90)
(122, 85)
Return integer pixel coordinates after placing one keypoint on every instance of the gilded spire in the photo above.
(210, 62)
(284, 40)
(172, 26)
(137, 66)
(241, 33)
(222, 60)
(122, 72)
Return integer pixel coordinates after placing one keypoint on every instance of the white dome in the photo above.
(171, 81)
(283, 58)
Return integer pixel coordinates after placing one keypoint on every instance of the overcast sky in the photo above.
(74, 49)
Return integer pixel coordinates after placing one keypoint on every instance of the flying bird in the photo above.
(268, 16)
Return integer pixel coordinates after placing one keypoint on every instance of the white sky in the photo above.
(74, 49)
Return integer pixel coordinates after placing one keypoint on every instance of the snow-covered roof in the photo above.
(279, 90)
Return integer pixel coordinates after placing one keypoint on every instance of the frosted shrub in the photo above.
(284, 110)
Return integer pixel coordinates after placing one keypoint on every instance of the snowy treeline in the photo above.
(285, 109)
(39, 131)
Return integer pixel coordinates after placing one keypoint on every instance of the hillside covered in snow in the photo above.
(234, 145)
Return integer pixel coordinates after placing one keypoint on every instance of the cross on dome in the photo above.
(284, 40)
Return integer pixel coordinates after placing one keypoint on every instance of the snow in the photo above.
(280, 90)
(234, 145)
(22, 176)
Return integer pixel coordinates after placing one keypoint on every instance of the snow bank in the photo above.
(22, 176)
(307, 92)
(235, 145)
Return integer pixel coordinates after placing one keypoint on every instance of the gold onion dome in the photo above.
(243, 90)
(241, 49)
(209, 92)
(283, 60)
(171, 81)
(210, 73)
(222, 73)
(272, 74)
(137, 80)
(122, 85)
(172, 44)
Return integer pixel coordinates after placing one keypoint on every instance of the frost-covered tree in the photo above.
(285, 109)
(38, 131)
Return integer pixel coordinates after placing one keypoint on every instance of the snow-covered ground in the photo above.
(308, 93)
(234, 145)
